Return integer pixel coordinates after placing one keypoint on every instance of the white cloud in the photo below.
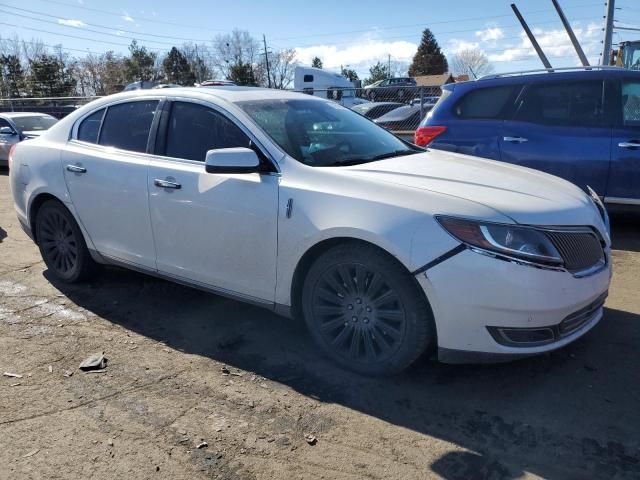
(554, 43)
(457, 45)
(359, 55)
(71, 22)
(490, 35)
(126, 17)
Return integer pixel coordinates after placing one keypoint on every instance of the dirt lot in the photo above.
(571, 414)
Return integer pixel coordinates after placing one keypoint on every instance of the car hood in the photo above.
(32, 133)
(526, 196)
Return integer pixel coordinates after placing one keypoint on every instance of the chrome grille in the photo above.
(580, 250)
(574, 321)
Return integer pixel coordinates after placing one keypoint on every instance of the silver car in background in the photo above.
(18, 126)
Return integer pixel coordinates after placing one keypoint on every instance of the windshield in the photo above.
(35, 123)
(321, 134)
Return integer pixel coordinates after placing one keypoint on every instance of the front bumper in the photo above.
(472, 295)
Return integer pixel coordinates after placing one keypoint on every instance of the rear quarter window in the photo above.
(486, 103)
(90, 127)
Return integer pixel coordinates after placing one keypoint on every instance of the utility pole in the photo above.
(608, 31)
(197, 72)
(389, 66)
(532, 38)
(572, 36)
(266, 60)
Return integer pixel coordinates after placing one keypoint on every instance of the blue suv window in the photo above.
(487, 103)
(574, 104)
(631, 103)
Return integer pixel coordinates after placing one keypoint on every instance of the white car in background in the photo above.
(18, 126)
(302, 206)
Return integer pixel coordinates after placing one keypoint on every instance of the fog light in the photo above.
(522, 337)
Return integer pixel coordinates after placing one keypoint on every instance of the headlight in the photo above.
(601, 209)
(514, 241)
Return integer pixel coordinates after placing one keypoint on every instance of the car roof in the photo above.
(230, 93)
(547, 75)
(23, 114)
(370, 105)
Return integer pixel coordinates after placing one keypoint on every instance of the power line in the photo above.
(96, 25)
(429, 24)
(86, 29)
(120, 15)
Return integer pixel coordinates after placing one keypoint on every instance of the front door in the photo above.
(105, 169)
(217, 230)
(561, 128)
(624, 179)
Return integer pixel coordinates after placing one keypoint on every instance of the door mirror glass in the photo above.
(231, 160)
(7, 131)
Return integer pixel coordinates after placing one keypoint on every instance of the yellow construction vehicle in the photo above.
(627, 55)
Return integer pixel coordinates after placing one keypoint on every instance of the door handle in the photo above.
(515, 139)
(76, 169)
(166, 184)
(631, 144)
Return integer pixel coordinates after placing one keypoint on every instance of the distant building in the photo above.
(434, 82)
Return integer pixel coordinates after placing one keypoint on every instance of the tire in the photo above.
(379, 328)
(62, 244)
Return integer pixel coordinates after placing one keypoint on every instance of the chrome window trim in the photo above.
(74, 131)
(622, 200)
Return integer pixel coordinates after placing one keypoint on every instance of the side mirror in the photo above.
(7, 131)
(231, 160)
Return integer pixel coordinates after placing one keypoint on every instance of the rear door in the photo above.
(105, 168)
(475, 122)
(561, 128)
(624, 179)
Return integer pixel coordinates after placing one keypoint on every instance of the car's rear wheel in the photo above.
(365, 310)
(61, 243)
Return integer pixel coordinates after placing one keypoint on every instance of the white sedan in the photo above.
(304, 207)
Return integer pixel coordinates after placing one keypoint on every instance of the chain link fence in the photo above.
(58, 107)
(399, 109)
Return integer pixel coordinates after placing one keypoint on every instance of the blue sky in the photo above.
(356, 34)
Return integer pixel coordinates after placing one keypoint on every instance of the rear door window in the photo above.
(127, 125)
(569, 104)
(195, 129)
(490, 103)
(90, 127)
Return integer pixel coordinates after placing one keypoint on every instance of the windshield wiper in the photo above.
(396, 153)
(359, 161)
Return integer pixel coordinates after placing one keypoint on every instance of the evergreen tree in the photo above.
(140, 64)
(350, 74)
(242, 74)
(12, 77)
(316, 62)
(429, 59)
(50, 78)
(378, 72)
(177, 69)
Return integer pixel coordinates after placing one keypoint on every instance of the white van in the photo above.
(325, 84)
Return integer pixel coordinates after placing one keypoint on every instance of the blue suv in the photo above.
(580, 124)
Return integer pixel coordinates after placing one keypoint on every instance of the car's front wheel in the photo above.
(365, 310)
(61, 243)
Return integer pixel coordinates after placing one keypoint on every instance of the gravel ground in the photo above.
(186, 367)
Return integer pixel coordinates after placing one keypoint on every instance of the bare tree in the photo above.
(233, 49)
(281, 68)
(472, 62)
